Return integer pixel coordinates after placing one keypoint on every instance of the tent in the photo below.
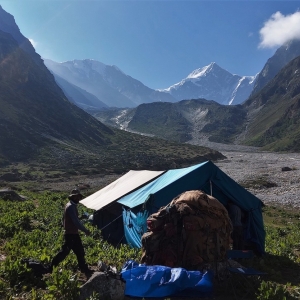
(123, 207)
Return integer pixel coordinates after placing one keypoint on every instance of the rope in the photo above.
(120, 240)
(111, 222)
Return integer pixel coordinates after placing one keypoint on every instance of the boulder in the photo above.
(105, 286)
(285, 169)
(8, 194)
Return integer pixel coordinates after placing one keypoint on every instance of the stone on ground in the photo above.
(104, 286)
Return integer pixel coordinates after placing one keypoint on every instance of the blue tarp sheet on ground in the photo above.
(162, 281)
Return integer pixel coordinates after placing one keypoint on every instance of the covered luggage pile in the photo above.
(190, 232)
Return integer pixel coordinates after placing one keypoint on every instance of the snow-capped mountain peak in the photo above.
(85, 66)
(213, 83)
(202, 71)
(118, 69)
(114, 88)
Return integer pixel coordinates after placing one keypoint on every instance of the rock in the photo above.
(83, 186)
(284, 169)
(106, 287)
(102, 266)
(11, 195)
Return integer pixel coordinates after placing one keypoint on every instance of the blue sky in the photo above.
(159, 42)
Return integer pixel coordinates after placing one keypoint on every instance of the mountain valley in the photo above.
(268, 119)
(41, 125)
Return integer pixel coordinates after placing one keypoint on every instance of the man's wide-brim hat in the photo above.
(75, 192)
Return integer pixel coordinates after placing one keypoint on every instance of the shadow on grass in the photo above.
(281, 269)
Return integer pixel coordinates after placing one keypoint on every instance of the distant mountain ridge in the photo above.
(116, 89)
(273, 114)
(281, 58)
(108, 83)
(213, 83)
(78, 96)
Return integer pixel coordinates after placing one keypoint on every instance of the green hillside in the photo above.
(34, 111)
(161, 119)
(274, 122)
(181, 120)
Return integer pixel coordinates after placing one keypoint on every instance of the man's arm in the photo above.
(71, 211)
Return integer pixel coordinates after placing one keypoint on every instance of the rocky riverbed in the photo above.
(272, 177)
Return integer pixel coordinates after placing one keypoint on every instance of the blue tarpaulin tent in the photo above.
(160, 191)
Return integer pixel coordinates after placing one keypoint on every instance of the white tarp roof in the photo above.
(117, 189)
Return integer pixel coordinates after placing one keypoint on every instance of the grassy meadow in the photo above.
(31, 229)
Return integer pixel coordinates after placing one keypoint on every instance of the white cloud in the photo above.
(33, 43)
(280, 29)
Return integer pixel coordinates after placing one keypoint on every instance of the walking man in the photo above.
(72, 240)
